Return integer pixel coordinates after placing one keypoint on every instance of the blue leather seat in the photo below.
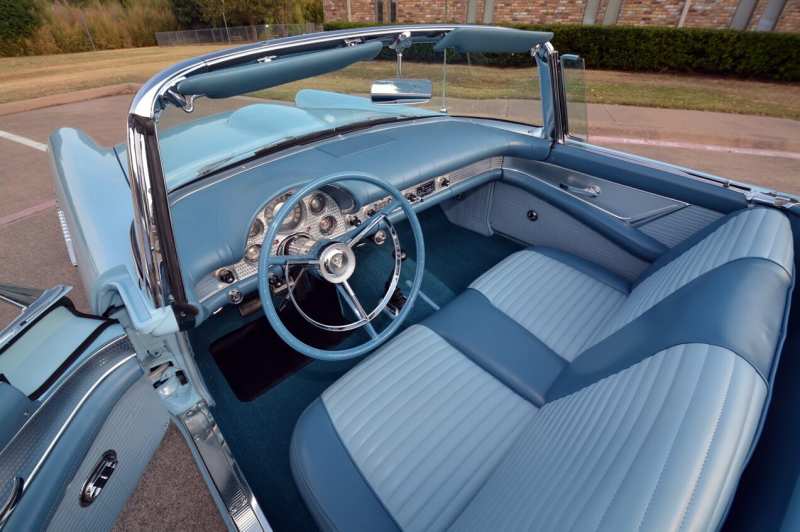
(552, 395)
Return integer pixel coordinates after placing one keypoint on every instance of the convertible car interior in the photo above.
(430, 317)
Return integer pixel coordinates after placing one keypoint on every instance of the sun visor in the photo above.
(257, 76)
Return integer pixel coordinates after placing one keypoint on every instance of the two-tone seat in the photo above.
(553, 395)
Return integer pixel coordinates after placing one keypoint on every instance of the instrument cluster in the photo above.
(317, 216)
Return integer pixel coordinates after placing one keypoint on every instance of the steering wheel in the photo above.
(334, 261)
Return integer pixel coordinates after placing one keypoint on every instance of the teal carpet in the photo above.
(259, 431)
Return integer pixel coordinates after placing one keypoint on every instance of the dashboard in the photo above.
(319, 215)
(220, 221)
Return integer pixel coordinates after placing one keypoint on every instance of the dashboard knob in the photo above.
(444, 182)
(226, 276)
(252, 252)
(411, 197)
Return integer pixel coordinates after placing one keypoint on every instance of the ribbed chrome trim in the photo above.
(62, 220)
(228, 479)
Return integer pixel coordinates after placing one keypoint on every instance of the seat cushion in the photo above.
(759, 233)
(658, 446)
(424, 425)
(603, 408)
(443, 445)
(562, 300)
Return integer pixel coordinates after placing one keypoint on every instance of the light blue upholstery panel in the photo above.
(560, 305)
(676, 227)
(134, 429)
(659, 446)
(756, 233)
(425, 426)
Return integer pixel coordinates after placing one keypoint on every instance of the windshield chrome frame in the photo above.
(155, 252)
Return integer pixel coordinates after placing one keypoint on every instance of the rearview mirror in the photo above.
(401, 91)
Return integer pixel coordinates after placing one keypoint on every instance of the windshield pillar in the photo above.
(550, 87)
(154, 247)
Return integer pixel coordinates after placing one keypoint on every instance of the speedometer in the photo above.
(292, 220)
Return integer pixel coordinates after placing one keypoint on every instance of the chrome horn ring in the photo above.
(339, 273)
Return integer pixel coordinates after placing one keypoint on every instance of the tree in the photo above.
(18, 19)
(188, 13)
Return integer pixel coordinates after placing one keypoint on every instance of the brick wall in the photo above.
(650, 12)
(541, 11)
(710, 13)
(428, 11)
(701, 13)
(790, 17)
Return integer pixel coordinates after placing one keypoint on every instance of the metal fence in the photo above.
(236, 34)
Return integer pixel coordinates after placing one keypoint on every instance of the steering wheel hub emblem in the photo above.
(337, 263)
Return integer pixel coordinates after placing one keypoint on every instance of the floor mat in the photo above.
(259, 431)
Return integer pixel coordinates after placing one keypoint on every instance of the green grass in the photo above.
(30, 77)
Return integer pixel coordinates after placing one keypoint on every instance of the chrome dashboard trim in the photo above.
(156, 254)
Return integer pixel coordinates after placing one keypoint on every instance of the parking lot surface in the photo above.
(765, 151)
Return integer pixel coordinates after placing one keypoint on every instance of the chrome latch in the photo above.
(99, 477)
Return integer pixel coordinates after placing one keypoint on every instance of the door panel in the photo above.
(643, 174)
(133, 431)
(627, 204)
(73, 385)
(555, 228)
(676, 227)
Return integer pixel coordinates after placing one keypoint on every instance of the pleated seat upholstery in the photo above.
(552, 395)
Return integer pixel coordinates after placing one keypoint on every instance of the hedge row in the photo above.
(743, 54)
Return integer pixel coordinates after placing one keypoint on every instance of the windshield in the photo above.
(221, 132)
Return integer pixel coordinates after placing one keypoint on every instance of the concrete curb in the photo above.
(68, 97)
(731, 140)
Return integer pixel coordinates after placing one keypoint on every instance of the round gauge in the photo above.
(256, 228)
(292, 220)
(316, 203)
(327, 224)
(252, 252)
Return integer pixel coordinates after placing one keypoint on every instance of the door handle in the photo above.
(590, 191)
